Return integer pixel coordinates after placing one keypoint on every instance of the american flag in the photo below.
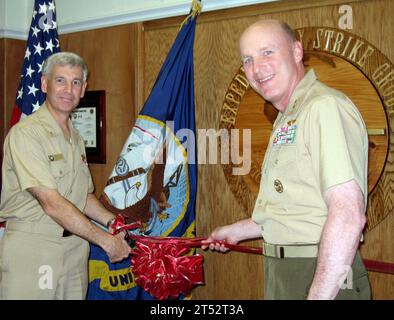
(43, 40)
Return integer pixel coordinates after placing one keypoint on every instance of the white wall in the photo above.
(79, 15)
(17, 18)
(2, 15)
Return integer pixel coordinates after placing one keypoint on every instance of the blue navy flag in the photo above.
(43, 40)
(155, 178)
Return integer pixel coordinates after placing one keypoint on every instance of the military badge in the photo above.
(285, 135)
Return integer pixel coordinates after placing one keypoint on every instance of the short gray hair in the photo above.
(64, 59)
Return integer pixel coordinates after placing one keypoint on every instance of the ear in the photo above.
(298, 52)
(44, 84)
(83, 89)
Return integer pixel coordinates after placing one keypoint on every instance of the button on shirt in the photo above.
(37, 154)
(318, 142)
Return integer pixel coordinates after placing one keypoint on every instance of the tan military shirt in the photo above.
(318, 142)
(36, 153)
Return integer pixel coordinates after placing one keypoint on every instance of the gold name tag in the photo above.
(56, 157)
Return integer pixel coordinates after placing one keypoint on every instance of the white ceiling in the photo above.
(80, 15)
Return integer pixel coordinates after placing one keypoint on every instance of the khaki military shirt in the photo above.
(318, 142)
(36, 153)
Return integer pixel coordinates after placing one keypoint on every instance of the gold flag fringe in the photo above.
(195, 10)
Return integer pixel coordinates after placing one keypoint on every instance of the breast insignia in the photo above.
(278, 186)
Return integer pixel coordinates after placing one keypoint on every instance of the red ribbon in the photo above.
(162, 267)
(196, 243)
(119, 224)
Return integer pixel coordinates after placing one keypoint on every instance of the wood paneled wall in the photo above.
(11, 61)
(237, 275)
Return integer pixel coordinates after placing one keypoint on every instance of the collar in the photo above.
(49, 123)
(300, 91)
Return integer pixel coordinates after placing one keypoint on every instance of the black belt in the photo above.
(66, 233)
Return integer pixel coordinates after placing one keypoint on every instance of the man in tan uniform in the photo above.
(310, 210)
(46, 193)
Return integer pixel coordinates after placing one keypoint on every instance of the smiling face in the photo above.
(272, 61)
(64, 88)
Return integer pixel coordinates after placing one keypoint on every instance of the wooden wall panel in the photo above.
(233, 275)
(110, 54)
(11, 60)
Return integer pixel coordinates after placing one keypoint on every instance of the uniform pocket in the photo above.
(61, 172)
(358, 289)
(286, 155)
(59, 169)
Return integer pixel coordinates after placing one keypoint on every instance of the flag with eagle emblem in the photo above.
(155, 177)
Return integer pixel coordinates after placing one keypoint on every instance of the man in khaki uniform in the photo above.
(46, 192)
(310, 210)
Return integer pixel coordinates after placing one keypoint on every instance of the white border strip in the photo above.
(14, 34)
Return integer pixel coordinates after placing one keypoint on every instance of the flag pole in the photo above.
(196, 8)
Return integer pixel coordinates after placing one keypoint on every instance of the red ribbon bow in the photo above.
(119, 224)
(164, 270)
(162, 267)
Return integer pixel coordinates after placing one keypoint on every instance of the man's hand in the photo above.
(232, 234)
(220, 234)
(117, 248)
